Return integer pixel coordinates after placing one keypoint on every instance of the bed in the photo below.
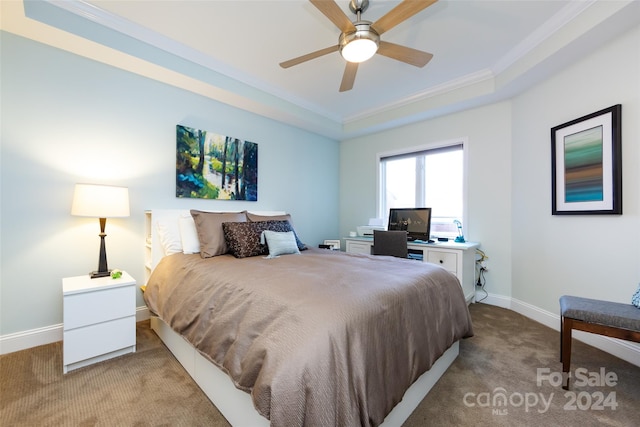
(312, 337)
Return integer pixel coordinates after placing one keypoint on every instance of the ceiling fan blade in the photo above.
(409, 55)
(400, 13)
(331, 10)
(309, 56)
(349, 76)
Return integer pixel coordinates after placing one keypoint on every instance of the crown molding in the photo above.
(567, 14)
(449, 86)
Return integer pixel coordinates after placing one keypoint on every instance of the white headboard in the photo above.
(169, 218)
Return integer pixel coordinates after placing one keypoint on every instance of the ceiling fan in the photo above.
(360, 40)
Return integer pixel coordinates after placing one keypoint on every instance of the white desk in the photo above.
(458, 258)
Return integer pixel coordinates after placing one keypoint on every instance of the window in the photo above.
(431, 177)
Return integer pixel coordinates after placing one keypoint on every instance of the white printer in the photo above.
(374, 224)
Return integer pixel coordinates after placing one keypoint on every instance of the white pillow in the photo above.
(169, 238)
(280, 242)
(189, 235)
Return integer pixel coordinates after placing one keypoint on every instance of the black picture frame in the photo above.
(586, 164)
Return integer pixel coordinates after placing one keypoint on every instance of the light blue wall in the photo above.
(67, 119)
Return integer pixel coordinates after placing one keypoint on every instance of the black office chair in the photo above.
(392, 243)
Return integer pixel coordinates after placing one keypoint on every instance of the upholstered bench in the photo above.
(612, 319)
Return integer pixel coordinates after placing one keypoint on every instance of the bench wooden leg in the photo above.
(565, 349)
(561, 328)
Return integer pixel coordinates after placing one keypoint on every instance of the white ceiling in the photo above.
(483, 50)
(252, 37)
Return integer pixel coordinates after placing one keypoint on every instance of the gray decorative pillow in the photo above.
(210, 232)
(635, 299)
(279, 243)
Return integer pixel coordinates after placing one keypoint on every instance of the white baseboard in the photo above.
(493, 299)
(625, 350)
(142, 313)
(31, 338)
(47, 335)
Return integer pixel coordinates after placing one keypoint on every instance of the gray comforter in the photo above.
(322, 338)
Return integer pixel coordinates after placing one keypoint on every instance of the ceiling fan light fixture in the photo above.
(360, 40)
(360, 45)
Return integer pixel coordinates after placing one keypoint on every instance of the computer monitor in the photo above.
(415, 221)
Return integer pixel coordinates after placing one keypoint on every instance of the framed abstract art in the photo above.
(586, 168)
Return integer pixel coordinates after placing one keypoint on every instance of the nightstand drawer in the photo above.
(90, 341)
(448, 260)
(87, 308)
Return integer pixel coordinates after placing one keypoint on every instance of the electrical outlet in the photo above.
(483, 266)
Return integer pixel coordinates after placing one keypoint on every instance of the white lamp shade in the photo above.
(100, 201)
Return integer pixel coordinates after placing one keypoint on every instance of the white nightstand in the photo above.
(99, 319)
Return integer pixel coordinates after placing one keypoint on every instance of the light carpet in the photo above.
(493, 382)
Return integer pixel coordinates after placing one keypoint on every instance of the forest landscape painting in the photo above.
(213, 166)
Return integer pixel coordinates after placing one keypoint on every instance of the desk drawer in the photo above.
(448, 260)
(359, 248)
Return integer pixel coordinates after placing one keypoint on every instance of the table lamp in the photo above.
(100, 201)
